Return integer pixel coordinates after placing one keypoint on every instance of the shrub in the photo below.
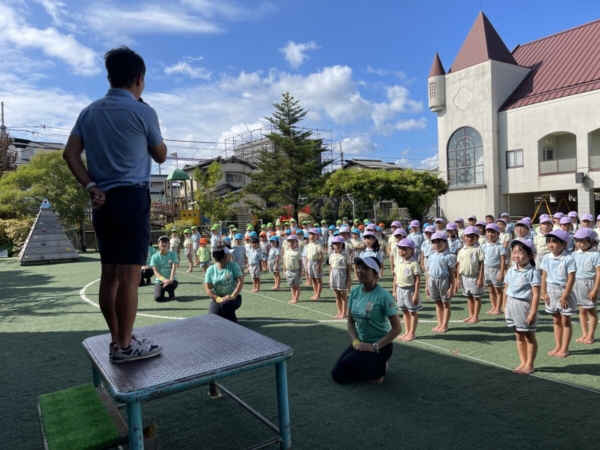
(180, 225)
(15, 232)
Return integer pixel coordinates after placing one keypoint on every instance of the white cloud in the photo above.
(358, 145)
(16, 31)
(54, 9)
(118, 22)
(411, 124)
(295, 54)
(230, 10)
(184, 68)
(431, 162)
(424, 164)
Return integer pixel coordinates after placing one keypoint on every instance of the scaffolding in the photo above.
(245, 146)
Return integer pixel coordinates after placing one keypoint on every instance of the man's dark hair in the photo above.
(123, 65)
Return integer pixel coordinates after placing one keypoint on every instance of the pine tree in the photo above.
(287, 173)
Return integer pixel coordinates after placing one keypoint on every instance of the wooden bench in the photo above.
(84, 418)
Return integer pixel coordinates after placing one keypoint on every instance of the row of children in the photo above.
(554, 264)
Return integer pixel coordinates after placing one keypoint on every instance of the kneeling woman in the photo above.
(223, 283)
(373, 324)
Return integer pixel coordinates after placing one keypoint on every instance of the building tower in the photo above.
(437, 85)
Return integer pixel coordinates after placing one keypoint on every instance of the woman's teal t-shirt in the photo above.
(164, 264)
(370, 311)
(223, 280)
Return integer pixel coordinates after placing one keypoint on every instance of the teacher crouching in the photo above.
(223, 283)
(373, 323)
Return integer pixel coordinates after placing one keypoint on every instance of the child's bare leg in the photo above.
(476, 310)
(499, 297)
(294, 299)
(558, 331)
(407, 320)
(567, 334)
(447, 312)
(338, 303)
(297, 293)
(493, 298)
(355, 274)
(439, 314)
(593, 313)
(344, 303)
(411, 335)
(257, 284)
(532, 349)
(583, 321)
(315, 286)
(522, 350)
(471, 306)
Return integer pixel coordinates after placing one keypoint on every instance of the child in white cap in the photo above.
(587, 282)
(406, 287)
(439, 284)
(574, 220)
(417, 237)
(522, 297)
(539, 241)
(460, 224)
(470, 269)
(454, 243)
(505, 237)
(339, 275)
(426, 248)
(292, 267)
(510, 226)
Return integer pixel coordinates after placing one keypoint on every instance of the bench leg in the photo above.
(95, 376)
(283, 406)
(134, 422)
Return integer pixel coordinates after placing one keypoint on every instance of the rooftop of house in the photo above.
(371, 164)
(207, 162)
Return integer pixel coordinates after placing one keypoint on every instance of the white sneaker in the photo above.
(137, 350)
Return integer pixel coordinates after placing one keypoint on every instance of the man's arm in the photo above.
(72, 155)
(158, 152)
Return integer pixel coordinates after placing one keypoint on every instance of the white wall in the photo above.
(473, 97)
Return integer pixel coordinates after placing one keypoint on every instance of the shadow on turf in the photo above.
(452, 395)
(575, 369)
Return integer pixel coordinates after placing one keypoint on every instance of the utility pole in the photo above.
(2, 126)
(342, 154)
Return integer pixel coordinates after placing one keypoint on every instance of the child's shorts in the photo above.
(555, 291)
(205, 263)
(312, 269)
(469, 286)
(272, 266)
(405, 295)
(293, 277)
(582, 289)
(438, 288)
(338, 279)
(189, 254)
(175, 249)
(490, 275)
(254, 271)
(516, 314)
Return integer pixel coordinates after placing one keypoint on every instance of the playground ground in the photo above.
(452, 391)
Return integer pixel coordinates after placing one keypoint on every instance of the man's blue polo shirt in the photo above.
(116, 132)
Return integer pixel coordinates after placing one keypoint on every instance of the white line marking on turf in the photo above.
(536, 375)
(87, 300)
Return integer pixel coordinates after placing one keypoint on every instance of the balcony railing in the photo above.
(566, 165)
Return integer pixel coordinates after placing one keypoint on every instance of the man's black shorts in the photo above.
(123, 225)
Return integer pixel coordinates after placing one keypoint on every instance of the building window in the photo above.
(233, 178)
(514, 158)
(431, 90)
(465, 158)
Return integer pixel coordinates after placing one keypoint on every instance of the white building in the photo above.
(515, 128)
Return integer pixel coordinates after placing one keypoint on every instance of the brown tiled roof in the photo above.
(563, 64)
(436, 67)
(482, 44)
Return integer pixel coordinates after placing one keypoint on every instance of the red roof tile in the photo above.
(483, 43)
(436, 67)
(563, 64)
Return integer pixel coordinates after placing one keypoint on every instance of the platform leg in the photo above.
(95, 376)
(283, 406)
(134, 422)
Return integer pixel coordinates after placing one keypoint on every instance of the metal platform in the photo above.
(196, 352)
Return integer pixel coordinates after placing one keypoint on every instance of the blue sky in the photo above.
(216, 66)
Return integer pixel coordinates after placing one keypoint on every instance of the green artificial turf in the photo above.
(442, 391)
(76, 419)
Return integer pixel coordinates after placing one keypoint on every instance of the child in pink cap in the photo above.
(495, 267)
(470, 269)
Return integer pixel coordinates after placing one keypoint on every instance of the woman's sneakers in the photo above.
(138, 349)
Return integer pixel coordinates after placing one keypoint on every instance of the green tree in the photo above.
(213, 206)
(414, 190)
(46, 176)
(8, 160)
(288, 173)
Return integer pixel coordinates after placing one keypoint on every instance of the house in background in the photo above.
(516, 128)
(25, 149)
(370, 164)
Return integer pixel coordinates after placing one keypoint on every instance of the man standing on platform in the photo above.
(120, 135)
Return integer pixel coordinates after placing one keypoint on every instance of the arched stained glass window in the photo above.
(465, 158)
